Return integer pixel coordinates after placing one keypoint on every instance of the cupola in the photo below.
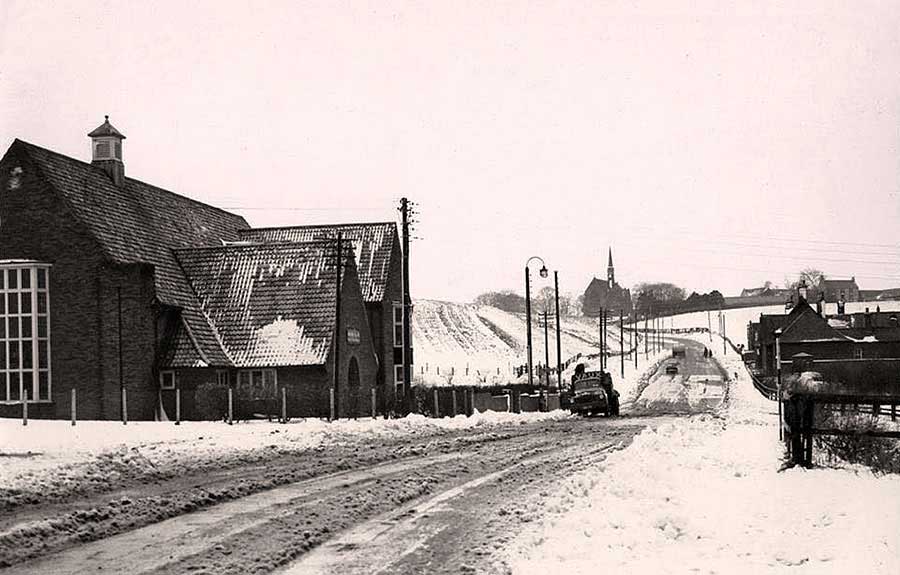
(106, 151)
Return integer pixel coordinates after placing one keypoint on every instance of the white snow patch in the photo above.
(704, 495)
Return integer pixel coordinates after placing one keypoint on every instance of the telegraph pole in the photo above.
(602, 353)
(545, 391)
(339, 266)
(407, 304)
(622, 340)
(558, 340)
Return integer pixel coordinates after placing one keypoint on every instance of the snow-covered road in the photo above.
(705, 494)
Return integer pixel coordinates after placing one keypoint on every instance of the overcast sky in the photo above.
(716, 145)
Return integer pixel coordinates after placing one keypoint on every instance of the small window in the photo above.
(103, 150)
(167, 380)
(118, 150)
(857, 353)
(222, 378)
(398, 374)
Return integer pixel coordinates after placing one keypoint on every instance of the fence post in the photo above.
(437, 412)
(454, 402)
(178, 406)
(331, 404)
(124, 407)
(25, 408)
(74, 407)
(283, 404)
(374, 410)
(230, 406)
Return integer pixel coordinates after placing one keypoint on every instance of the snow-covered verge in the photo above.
(52, 454)
(705, 495)
(467, 344)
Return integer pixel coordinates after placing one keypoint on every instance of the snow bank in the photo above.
(52, 451)
(704, 494)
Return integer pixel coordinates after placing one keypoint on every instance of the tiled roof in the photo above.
(140, 223)
(373, 244)
(838, 284)
(271, 304)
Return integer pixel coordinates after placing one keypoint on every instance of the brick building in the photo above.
(378, 261)
(108, 283)
(859, 349)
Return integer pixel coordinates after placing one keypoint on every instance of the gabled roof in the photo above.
(804, 324)
(373, 244)
(838, 283)
(137, 223)
(271, 304)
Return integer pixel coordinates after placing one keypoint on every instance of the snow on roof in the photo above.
(270, 304)
(373, 244)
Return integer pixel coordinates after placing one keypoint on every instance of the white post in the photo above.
(374, 412)
(74, 406)
(124, 407)
(230, 406)
(283, 405)
(25, 408)
(178, 406)
(331, 404)
(436, 411)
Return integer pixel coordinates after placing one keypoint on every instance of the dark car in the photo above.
(671, 369)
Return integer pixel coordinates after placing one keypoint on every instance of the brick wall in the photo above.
(37, 224)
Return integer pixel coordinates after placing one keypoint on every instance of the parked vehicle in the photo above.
(592, 393)
(672, 369)
(678, 351)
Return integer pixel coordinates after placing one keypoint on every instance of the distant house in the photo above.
(838, 289)
(859, 347)
(378, 261)
(108, 283)
(607, 295)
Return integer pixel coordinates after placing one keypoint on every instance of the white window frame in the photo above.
(29, 294)
(857, 353)
(261, 371)
(222, 377)
(162, 379)
(395, 323)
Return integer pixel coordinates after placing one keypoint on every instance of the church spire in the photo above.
(610, 270)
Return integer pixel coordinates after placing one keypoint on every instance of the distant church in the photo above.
(606, 294)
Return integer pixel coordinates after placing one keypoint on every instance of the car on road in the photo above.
(672, 369)
(679, 351)
(592, 393)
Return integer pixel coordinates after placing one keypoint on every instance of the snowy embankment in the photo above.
(49, 455)
(705, 495)
(467, 344)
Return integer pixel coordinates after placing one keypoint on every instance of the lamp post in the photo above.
(543, 273)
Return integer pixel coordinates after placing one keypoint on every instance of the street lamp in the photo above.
(543, 273)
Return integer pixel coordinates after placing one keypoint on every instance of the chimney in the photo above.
(106, 151)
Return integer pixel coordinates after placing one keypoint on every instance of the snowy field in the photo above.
(736, 320)
(53, 453)
(705, 495)
(451, 339)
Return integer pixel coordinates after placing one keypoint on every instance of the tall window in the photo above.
(24, 332)
(398, 325)
(257, 383)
